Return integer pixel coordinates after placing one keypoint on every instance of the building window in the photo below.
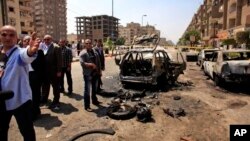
(22, 24)
(12, 21)
(11, 9)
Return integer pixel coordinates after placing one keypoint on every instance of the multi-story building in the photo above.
(3, 12)
(26, 16)
(17, 13)
(97, 27)
(134, 29)
(221, 19)
(50, 18)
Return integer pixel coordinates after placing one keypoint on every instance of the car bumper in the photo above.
(140, 79)
(237, 78)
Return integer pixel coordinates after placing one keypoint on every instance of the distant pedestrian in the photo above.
(53, 70)
(14, 77)
(66, 67)
(90, 62)
(79, 47)
(99, 50)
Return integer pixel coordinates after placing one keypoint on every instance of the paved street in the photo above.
(209, 112)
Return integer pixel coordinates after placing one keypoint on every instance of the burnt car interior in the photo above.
(136, 65)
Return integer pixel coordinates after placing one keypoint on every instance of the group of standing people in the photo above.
(30, 69)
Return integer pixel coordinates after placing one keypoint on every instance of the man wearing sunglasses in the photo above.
(91, 66)
(14, 77)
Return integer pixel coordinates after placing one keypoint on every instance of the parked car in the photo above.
(203, 55)
(229, 66)
(149, 66)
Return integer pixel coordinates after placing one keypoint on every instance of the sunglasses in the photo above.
(46, 39)
(87, 43)
(5, 35)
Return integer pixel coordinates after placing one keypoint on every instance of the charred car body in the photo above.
(229, 66)
(149, 65)
(203, 55)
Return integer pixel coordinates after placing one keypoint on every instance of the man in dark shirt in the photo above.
(90, 62)
(66, 66)
(99, 50)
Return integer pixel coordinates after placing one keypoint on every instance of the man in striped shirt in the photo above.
(66, 66)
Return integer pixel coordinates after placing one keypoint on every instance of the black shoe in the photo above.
(54, 106)
(69, 93)
(97, 103)
(88, 109)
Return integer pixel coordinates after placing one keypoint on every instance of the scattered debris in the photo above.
(175, 113)
(143, 113)
(176, 97)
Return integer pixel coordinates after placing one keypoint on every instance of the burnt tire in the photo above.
(121, 112)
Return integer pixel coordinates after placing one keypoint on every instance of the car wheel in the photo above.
(218, 81)
(121, 112)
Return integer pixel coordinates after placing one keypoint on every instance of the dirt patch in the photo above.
(236, 104)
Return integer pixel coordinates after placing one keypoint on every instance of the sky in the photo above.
(171, 17)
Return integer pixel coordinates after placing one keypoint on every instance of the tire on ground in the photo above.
(121, 112)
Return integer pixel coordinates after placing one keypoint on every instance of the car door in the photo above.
(211, 64)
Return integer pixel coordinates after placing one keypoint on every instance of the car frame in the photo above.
(229, 66)
(149, 65)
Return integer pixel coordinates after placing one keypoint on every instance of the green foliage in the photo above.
(194, 33)
(120, 41)
(243, 37)
(229, 42)
(108, 44)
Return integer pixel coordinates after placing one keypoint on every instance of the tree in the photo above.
(120, 41)
(243, 37)
(192, 34)
(228, 42)
(108, 45)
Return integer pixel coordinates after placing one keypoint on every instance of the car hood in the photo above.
(239, 66)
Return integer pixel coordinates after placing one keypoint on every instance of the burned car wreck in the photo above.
(147, 63)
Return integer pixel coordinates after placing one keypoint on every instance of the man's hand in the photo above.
(33, 44)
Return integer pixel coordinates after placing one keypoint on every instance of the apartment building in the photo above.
(26, 17)
(50, 18)
(17, 13)
(218, 20)
(134, 29)
(129, 32)
(2, 12)
(96, 28)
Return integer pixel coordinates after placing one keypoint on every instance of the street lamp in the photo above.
(142, 19)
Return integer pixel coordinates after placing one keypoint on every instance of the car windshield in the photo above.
(208, 54)
(236, 56)
(147, 55)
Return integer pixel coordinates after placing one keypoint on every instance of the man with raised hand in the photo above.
(14, 77)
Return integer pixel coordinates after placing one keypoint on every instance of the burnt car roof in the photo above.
(237, 50)
(146, 49)
(153, 38)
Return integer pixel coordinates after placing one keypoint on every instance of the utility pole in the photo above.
(3, 10)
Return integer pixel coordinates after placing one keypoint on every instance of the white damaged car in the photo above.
(229, 66)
